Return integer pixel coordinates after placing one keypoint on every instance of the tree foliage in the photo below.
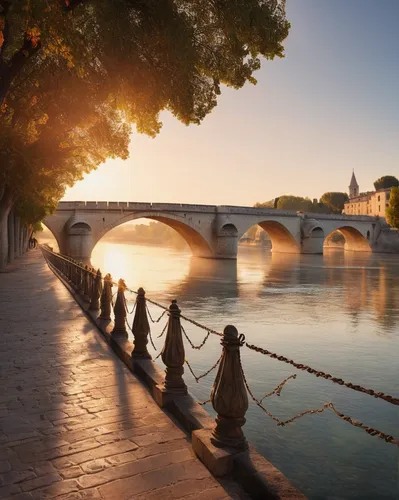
(392, 211)
(385, 182)
(334, 201)
(289, 202)
(265, 204)
(76, 74)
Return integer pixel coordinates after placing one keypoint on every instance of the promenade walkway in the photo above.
(74, 422)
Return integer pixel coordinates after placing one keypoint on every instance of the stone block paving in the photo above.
(74, 422)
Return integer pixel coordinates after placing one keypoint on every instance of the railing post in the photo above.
(141, 327)
(96, 292)
(79, 277)
(70, 270)
(76, 274)
(120, 312)
(229, 395)
(86, 277)
(106, 298)
(173, 354)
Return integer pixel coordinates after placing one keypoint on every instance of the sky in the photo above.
(330, 106)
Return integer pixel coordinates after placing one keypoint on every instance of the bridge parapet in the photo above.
(134, 206)
(357, 218)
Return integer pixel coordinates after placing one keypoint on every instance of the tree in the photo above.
(75, 74)
(265, 204)
(289, 202)
(392, 212)
(385, 182)
(334, 201)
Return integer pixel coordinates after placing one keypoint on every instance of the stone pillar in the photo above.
(120, 312)
(74, 274)
(106, 298)
(11, 242)
(229, 395)
(96, 292)
(70, 270)
(141, 327)
(173, 354)
(86, 278)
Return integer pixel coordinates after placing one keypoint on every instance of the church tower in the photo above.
(353, 187)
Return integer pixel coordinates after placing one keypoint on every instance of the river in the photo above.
(338, 313)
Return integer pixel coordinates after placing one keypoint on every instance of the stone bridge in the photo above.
(211, 231)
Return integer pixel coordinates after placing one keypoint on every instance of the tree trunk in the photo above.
(21, 240)
(11, 245)
(17, 234)
(6, 203)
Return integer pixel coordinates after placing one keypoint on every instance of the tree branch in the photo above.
(19, 59)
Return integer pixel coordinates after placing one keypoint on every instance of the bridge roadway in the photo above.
(212, 231)
(74, 422)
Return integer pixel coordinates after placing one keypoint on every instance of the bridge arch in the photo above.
(197, 242)
(355, 241)
(282, 239)
(53, 233)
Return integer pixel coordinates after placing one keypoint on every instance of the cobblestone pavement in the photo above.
(74, 422)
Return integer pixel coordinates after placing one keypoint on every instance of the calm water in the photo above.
(338, 312)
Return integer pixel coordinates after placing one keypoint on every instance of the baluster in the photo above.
(86, 277)
(106, 298)
(173, 353)
(120, 312)
(80, 277)
(141, 327)
(229, 395)
(96, 292)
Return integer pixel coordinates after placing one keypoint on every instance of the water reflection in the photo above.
(351, 283)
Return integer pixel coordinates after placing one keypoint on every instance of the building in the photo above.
(370, 203)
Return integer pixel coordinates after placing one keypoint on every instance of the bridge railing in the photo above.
(231, 390)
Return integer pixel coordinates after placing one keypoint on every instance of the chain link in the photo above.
(156, 320)
(127, 309)
(198, 347)
(278, 389)
(326, 406)
(370, 430)
(327, 376)
(152, 342)
(199, 377)
(157, 356)
(202, 403)
(203, 327)
(163, 331)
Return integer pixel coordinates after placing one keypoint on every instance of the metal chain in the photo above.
(204, 402)
(163, 331)
(327, 376)
(157, 356)
(152, 342)
(278, 389)
(370, 430)
(160, 317)
(214, 332)
(198, 347)
(199, 377)
(127, 309)
(155, 303)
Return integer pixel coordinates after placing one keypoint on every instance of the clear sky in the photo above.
(332, 104)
